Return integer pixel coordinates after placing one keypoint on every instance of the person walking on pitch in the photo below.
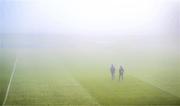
(121, 73)
(112, 70)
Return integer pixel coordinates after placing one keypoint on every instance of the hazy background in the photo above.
(76, 41)
(119, 24)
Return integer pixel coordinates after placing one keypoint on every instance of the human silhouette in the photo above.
(112, 70)
(121, 73)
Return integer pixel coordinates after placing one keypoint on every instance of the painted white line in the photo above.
(9, 85)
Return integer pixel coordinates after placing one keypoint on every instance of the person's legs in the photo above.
(112, 76)
(121, 76)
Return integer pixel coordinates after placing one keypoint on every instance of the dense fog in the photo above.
(95, 24)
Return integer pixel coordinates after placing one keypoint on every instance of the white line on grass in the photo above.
(9, 85)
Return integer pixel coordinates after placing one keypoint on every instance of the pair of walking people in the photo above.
(121, 72)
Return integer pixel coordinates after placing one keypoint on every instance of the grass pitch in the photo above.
(57, 78)
(6, 64)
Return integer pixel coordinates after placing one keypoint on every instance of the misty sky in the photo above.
(100, 20)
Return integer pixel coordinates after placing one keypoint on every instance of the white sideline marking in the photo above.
(9, 85)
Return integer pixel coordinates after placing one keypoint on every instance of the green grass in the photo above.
(6, 64)
(162, 72)
(57, 78)
(128, 92)
(133, 90)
